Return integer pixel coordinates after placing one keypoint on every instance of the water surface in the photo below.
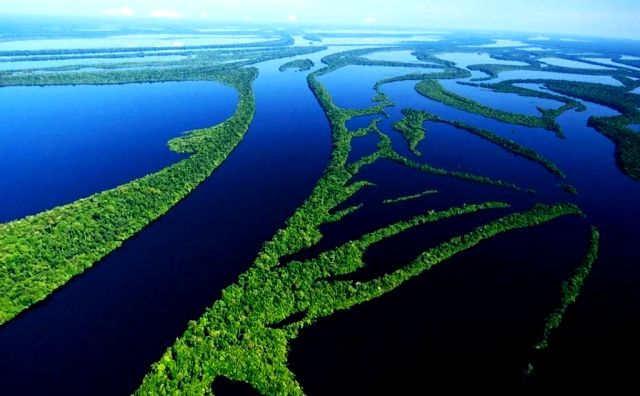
(99, 334)
(20, 65)
(572, 64)
(545, 75)
(62, 143)
(128, 41)
(465, 59)
(502, 101)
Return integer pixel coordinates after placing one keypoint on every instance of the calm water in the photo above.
(503, 101)
(100, 333)
(528, 75)
(610, 62)
(571, 63)
(394, 56)
(478, 315)
(23, 65)
(58, 144)
(475, 316)
(464, 59)
(351, 86)
(131, 40)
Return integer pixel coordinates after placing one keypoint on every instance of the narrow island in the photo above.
(298, 65)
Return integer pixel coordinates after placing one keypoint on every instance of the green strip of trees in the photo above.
(570, 292)
(299, 64)
(433, 90)
(409, 197)
(411, 127)
(40, 253)
(242, 336)
(616, 128)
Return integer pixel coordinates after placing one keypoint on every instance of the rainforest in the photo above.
(259, 209)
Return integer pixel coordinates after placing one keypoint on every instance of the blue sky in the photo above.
(618, 18)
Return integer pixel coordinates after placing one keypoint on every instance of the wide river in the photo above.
(474, 317)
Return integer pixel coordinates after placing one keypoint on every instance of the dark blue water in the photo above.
(58, 144)
(362, 146)
(502, 101)
(472, 318)
(351, 86)
(456, 149)
(100, 333)
(599, 342)
(477, 316)
(466, 323)
(361, 122)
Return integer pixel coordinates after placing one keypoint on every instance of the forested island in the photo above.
(416, 181)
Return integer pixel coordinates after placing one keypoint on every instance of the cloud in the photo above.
(164, 13)
(370, 20)
(292, 18)
(118, 12)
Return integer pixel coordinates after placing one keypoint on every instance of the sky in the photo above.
(611, 18)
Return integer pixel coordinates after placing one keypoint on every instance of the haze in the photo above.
(615, 18)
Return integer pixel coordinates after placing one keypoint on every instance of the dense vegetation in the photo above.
(509, 87)
(240, 337)
(410, 197)
(570, 291)
(356, 58)
(414, 119)
(450, 73)
(40, 253)
(312, 37)
(244, 336)
(494, 70)
(197, 66)
(615, 128)
(411, 127)
(385, 151)
(283, 40)
(300, 64)
(506, 144)
(568, 188)
(433, 90)
(620, 98)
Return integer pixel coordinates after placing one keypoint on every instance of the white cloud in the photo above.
(370, 20)
(292, 18)
(164, 13)
(116, 12)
